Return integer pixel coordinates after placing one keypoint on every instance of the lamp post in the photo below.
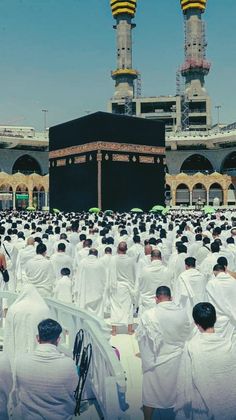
(45, 111)
(218, 107)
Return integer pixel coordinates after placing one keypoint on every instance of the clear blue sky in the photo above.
(57, 54)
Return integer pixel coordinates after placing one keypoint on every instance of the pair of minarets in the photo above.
(193, 70)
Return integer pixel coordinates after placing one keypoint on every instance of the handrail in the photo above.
(106, 376)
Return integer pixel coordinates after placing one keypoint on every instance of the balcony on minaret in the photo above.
(123, 7)
(193, 4)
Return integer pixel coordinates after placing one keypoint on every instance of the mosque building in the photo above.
(200, 158)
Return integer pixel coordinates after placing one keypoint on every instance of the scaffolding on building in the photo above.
(128, 106)
(138, 86)
(180, 91)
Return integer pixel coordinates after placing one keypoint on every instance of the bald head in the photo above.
(155, 254)
(122, 248)
(93, 251)
(30, 241)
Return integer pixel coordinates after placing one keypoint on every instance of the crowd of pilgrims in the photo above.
(170, 278)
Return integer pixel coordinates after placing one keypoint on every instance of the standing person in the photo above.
(152, 276)
(24, 255)
(22, 319)
(208, 263)
(90, 284)
(162, 333)
(221, 292)
(39, 271)
(63, 288)
(10, 253)
(45, 379)
(60, 260)
(207, 383)
(190, 287)
(122, 281)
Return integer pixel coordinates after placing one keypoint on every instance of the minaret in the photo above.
(124, 75)
(195, 67)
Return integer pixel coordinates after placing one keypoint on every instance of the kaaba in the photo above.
(108, 161)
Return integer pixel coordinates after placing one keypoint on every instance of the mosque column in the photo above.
(14, 199)
(173, 194)
(225, 197)
(46, 199)
(190, 197)
(207, 197)
(30, 198)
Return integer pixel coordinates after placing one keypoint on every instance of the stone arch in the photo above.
(6, 197)
(196, 163)
(229, 164)
(215, 192)
(27, 165)
(22, 197)
(39, 197)
(199, 191)
(182, 195)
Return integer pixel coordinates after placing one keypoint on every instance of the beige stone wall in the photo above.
(24, 182)
(207, 180)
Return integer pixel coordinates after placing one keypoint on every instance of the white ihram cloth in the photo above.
(153, 276)
(161, 334)
(122, 280)
(106, 260)
(39, 272)
(190, 289)
(61, 260)
(176, 264)
(202, 253)
(45, 385)
(221, 292)
(5, 385)
(24, 255)
(207, 265)
(90, 285)
(10, 253)
(63, 289)
(207, 381)
(22, 320)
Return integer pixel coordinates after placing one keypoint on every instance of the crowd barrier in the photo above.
(106, 377)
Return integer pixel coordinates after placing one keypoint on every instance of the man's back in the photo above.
(45, 385)
(221, 291)
(162, 333)
(210, 379)
(152, 276)
(61, 260)
(39, 272)
(22, 319)
(190, 288)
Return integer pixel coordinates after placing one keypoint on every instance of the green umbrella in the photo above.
(208, 210)
(157, 208)
(94, 210)
(108, 212)
(56, 211)
(136, 210)
(30, 208)
(166, 210)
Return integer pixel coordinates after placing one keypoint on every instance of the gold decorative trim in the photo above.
(61, 162)
(146, 159)
(120, 158)
(80, 159)
(107, 146)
